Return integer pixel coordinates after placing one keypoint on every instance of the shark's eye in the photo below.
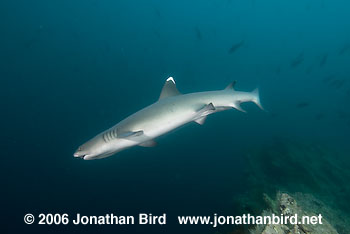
(79, 148)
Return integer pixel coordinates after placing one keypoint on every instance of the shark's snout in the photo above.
(82, 153)
(79, 153)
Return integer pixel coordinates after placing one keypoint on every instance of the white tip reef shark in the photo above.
(171, 111)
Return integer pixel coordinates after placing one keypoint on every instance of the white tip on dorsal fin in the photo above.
(171, 79)
(169, 89)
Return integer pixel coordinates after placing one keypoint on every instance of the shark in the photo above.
(172, 110)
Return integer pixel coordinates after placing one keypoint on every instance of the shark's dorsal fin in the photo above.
(231, 85)
(169, 89)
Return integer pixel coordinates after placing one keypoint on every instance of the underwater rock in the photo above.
(288, 206)
(315, 174)
(275, 229)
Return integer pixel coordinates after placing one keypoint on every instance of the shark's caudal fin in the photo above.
(169, 89)
(256, 98)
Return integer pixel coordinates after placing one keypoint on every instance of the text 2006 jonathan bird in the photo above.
(171, 111)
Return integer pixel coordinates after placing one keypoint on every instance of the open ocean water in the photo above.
(71, 69)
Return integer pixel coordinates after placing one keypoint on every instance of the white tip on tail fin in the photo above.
(256, 98)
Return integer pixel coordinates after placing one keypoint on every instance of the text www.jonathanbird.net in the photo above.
(144, 219)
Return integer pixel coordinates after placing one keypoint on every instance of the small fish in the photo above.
(107, 47)
(235, 47)
(319, 116)
(253, 4)
(278, 70)
(302, 104)
(298, 60)
(328, 78)
(198, 33)
(342, 114)
(157, 12)
(323, 60)
(337, 83)
(34, 38)
(308, 7)
(344, 49)
(273, 115)
(156, 33)
(308, 70)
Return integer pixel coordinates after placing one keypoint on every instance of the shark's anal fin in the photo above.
(150, 143)
(201, 115)
(237, 106)
(129, 134)
(169, 89)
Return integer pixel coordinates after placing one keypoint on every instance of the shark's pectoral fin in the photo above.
(200, 120)
(169, 89)
(150, 143)
(201, 115)
(129, 134)
(237, 106)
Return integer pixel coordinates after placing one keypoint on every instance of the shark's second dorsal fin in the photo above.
(231, 85)
(169, 89)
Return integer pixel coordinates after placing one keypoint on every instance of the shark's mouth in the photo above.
(80, 156)
(87, 157)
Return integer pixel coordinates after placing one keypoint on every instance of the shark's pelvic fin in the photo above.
(150, 143)
(201, 120)
(129, 134)
(231, 85)
(203, 112)
(169, 89)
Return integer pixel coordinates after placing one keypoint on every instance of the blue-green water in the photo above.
(71, 69)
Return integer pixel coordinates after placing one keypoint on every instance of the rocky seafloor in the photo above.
(314, 176)
(286, 205)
